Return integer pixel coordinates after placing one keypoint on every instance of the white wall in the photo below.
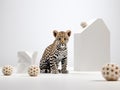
(28, 24)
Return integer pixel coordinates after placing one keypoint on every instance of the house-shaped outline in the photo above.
(92, 47)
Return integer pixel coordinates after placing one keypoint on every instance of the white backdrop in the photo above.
(28, 24)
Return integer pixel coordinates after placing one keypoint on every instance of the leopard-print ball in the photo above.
(83, 24)
(7, 70)
(33, 70)
(111, 72)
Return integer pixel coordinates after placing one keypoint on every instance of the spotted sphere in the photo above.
(111, 72)
(7, 70)
(33, 70)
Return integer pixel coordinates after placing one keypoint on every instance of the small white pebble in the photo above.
(83, 24)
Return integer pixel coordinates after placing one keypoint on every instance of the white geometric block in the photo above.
(25, 59)
(92, 47)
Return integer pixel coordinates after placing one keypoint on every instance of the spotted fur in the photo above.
(56, 53)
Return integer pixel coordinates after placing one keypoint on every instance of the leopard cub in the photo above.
(56, 53)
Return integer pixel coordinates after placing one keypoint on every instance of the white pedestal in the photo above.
(92, 47)
(71, 81)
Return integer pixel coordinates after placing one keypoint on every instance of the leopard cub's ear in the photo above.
(55, 32)
(68, 32)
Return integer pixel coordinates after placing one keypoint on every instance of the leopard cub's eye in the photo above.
(65, 38)
(59, 38)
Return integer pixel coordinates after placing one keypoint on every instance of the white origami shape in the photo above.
(92, 47)
(25, 59)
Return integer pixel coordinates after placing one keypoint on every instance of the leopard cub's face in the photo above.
(62, 37)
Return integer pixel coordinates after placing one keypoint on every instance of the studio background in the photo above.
(28, 25)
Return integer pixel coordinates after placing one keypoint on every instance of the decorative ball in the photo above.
(111, 72)
(33, 70)
(83, 24)
(7, 70)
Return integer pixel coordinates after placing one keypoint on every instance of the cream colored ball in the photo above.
(111, 72)
(7, 70)
(33, 70)
(83, 24)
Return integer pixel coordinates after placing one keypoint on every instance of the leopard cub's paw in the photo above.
(59, 71)
(54, 71)
(65, 71)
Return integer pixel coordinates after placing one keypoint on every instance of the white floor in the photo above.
(71, 81)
